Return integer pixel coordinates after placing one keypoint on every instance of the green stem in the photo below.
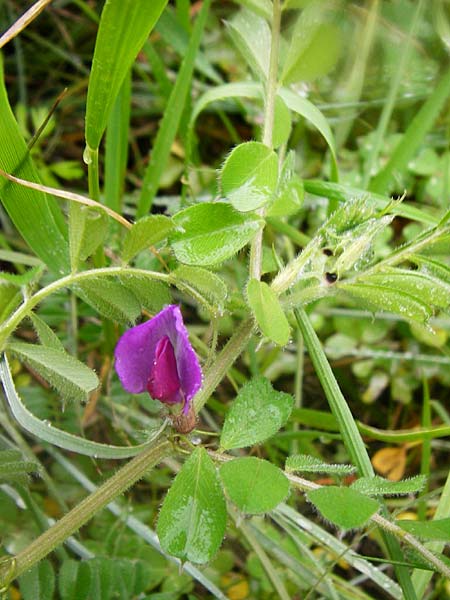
(93, 175)
(223, 362)
(83, 512)
(24, 309)
(349, 431)
(269, 115)
(347, 426)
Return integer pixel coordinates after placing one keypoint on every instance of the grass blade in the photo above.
(124, 27)
(116, 148)
(389, 105)
(55, 436)
(413, 137)
(37, 217)
(172, 116)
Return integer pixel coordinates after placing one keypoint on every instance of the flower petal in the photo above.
(164, 383)
(136, 350)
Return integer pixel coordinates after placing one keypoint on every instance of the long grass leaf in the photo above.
(349, 431)
(37, 217)
(413, 137)
(55, 436)
(124, 27)
(116, 150)
(172, 116)
(389, 105)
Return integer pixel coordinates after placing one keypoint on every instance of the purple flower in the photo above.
(158, 357)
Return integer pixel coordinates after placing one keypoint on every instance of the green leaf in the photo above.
(116, 146)
(315, 45)
(436, 530)
(44, 430)
(290, 192)
(22, 279)
(343, 506)
(413, 137)
(252, 37)
(206, 283)
(420, 285)
(10, 297)
(144, 233)
(104, 574)
(433, 267)
(74, 580)
(192, 520)
(13, 468)
(341, 193)
(305, 463)
(311, 113)
(377, 297)
(209, 233)
(378, 486)
(256, 486)
(268, 312)
(257, 414)
(172, 116)
(124, 27)
(46, 335)
(152, 295)
(87, 230)
(38, 218)
(109, 298)
(39, 582)
(282, 123)
(249, 176)
(72, 378)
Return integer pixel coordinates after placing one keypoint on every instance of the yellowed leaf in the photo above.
(390, 462)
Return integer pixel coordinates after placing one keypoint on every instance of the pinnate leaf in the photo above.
(258, 413)
(249, 175)
(254, 485)
(72, 378)
(192, 520)
(206, 283)
(110, 299)
(379, 297)
(209, 233)
(377, 486)
(144, 233)
(305, 463)
(268, 312)
(436, 530)
(38, 583)
(343, 506)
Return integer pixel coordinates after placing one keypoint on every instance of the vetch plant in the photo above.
(262, 262)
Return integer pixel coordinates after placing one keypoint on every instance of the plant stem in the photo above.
(306, 485)
(8, 326)
(269, 115)
(223, 362)
(83, 512)
(93, 175)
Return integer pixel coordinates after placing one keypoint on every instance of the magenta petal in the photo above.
(136, 351)
(163, 383)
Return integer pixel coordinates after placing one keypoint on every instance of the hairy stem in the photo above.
(83, 512)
